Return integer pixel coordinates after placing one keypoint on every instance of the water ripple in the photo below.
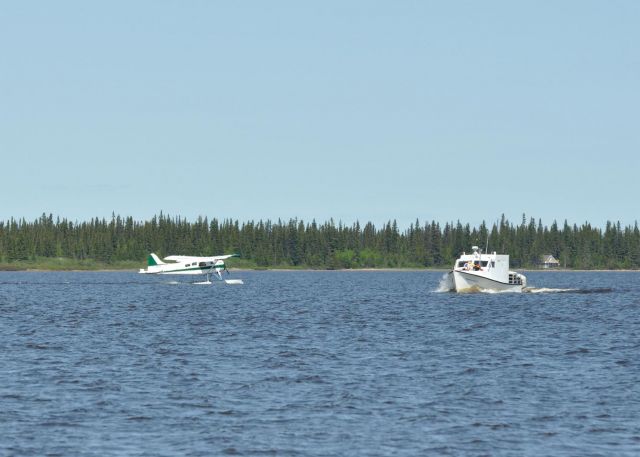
(318, 364)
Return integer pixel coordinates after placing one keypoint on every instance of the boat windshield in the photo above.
(483, 263)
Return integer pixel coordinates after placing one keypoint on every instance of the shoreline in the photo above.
(285, 270)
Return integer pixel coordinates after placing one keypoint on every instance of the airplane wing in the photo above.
(186, 258)
(181, 258)
(223, 257)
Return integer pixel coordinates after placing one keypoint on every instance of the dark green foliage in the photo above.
(295, 243)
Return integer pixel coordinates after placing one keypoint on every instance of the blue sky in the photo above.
(355, 110)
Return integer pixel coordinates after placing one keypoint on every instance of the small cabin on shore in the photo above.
(549, 261)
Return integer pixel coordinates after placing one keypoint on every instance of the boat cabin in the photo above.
(494, 266)
(485, 271)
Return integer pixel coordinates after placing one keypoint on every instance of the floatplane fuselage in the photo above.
(187, 265)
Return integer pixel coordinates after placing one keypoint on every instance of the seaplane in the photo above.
(189, 265)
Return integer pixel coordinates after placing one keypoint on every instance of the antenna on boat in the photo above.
(487, 251)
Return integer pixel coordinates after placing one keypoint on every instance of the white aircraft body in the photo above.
(188, 265)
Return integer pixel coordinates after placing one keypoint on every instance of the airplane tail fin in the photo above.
(154, 260)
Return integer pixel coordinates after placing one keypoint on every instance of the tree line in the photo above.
(295, 243)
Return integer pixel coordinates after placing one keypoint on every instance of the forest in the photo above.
(327, 245)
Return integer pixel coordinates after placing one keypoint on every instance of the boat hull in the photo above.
(472, 282)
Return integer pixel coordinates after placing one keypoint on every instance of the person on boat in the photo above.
(476, 266)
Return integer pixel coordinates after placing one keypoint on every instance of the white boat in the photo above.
(489, 272)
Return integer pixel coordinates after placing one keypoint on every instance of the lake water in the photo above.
(318, 364)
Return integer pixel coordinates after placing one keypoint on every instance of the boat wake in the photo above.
(547, 290)
(445, 284)
(492, 291)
